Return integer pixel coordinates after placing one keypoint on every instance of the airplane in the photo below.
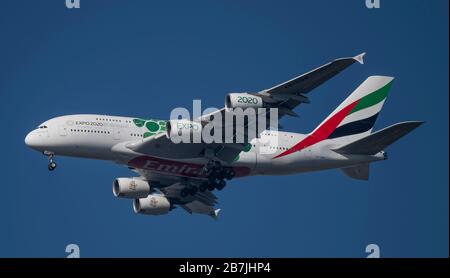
(185, 175)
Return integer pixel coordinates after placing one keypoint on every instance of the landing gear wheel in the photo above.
(230, 174)
(221, 175)
(51, 166)
(184, 193)
(220, 184)
(52, 163)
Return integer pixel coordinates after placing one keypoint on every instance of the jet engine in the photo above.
(182, 128)
(154, 204)
(243, 100)
(132, 188)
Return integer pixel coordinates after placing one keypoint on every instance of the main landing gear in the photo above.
(52, 163)
(216, 173)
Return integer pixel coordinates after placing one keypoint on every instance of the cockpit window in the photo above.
(42, 126)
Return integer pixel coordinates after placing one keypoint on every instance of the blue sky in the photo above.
(143, 58)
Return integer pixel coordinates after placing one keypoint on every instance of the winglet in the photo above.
(215, 214)
(360, 58)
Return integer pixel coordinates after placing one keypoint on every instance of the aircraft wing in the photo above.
(202, 202)
(285, 96)
(288, 95)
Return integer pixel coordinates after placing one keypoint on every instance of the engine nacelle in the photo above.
(152, 205)
(243, 100)
(131, 188)
(182, 128)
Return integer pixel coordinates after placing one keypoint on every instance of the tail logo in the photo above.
(335, 126)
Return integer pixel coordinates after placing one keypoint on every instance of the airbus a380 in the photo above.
(186, 174)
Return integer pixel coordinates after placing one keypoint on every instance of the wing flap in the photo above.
(202, 202)
(201, 208)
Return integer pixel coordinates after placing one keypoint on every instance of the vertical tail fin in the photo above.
(355, 117)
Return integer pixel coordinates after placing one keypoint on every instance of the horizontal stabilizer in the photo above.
(359, 172)
(379, 140)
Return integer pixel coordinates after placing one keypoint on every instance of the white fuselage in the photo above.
(106, 138)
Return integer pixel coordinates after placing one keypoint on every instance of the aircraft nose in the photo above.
(38, 139)
(35, 140)
(29, 139)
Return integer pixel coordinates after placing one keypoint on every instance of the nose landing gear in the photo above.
(51, 166)
(52, 163)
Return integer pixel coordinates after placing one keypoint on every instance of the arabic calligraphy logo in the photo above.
(153, 202)
(132, 185)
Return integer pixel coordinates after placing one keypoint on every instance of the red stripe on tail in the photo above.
(322, 132)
